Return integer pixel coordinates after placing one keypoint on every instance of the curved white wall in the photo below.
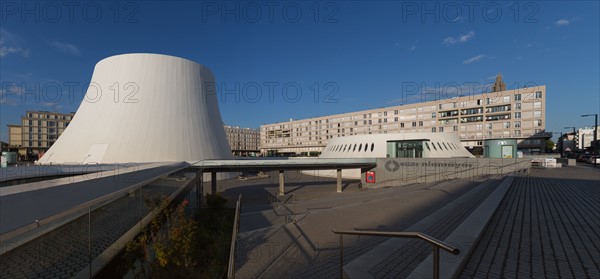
(172, 116)
(447, 145)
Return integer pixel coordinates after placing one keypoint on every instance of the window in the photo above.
(517, 97)
(506, 99)
(537, 113)
(433, 145)
(420, 123)
(455, 128)
(537, 123)
(414, 124)
(506, 125)
(538, 95)
(488, 101)
(488, 126)
(359, 147)
(427, 145)
(372, 147)
(366, 144)
(433, 129)
(517, 124)
(537, 105)
(401, 125)
(395, 112)
(440, 146)
(517, 115)
(518, 106)
(433, 115)
(517, 133)
(354, 149)
(441, 129)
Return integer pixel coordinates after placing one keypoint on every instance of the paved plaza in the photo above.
(547, 225)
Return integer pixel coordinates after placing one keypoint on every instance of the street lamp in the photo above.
(574, 133)
(595, 135)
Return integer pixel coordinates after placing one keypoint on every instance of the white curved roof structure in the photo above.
(144, 108)
(436, 145)
(433, 145)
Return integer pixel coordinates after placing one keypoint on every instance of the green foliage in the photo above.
(179, 246)
(549, 145)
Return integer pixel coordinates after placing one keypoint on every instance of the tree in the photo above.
(549, 145)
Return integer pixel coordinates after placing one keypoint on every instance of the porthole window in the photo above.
(372, 147)
(440, 146)
(444, 144)
(427, 145)
(359, 147)
(366, 144)
(354, 149)
(433, 145)
(345, 146)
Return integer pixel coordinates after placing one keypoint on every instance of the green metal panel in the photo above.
(500, 148)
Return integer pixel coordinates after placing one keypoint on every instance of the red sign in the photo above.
(370, 177)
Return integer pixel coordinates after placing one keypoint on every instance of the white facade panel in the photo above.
(144, 108)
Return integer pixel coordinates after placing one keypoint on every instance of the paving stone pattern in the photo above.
(548, 226)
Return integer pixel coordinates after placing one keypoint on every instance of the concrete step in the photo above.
(397, 257)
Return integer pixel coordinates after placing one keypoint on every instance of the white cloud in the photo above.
(462, 38)
(66, 47)
(6, 50)
(412, 48)
(474, 59)
(562, 22)
(7, 44)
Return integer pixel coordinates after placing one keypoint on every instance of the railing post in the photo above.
(90, 238)
(341, 256)
(281, 183)
(436, 262)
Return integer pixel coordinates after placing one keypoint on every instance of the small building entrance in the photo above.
(405, 149)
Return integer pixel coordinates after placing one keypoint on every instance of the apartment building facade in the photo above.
(243, 141)
(518, 114)
(585, 136)
(37, 132)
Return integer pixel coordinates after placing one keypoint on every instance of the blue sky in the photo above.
(309, 58)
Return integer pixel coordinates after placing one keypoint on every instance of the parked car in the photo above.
(592, 158)
(583, 158)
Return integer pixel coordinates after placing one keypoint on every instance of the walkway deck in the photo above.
(547, 226)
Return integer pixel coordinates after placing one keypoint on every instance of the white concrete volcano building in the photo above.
(144, 108)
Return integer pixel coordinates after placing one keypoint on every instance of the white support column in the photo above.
(339, 180)
(281, 183)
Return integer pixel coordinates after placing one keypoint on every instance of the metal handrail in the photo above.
(435, 243)
(236, 230)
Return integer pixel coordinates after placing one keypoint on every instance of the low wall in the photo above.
(403, 171)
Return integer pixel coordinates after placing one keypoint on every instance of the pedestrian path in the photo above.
(548, 226)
